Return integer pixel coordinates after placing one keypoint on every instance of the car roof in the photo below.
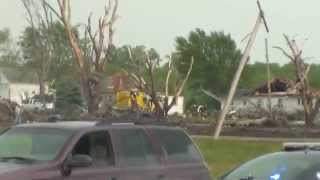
(81, 125)
(311, 154)
(72, 125)
(300, 153)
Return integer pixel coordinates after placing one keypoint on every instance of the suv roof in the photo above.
(78, 125)
(73, 125)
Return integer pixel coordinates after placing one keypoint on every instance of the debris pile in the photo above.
(278, 86)
(7, 112)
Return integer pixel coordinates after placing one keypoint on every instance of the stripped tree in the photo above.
(91, 63)
(40, 47)
(311, 107)
(161, 104)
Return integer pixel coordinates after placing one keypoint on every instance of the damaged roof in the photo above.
(282, 87)
(277, 86)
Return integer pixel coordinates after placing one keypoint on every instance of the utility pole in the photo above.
(268, 79)
(261, 19)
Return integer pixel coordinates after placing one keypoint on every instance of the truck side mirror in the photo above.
(80, 160)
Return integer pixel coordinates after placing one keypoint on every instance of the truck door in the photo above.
(98, 146)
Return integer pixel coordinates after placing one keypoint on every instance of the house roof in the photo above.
(17, 75)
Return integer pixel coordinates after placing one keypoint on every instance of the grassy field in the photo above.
(223, 155)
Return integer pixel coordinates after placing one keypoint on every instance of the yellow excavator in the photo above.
(132, 99)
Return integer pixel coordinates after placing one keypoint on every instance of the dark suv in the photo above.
(89, 151)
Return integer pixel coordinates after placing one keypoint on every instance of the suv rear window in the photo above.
(178, 146)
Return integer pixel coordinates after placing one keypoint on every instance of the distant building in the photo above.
(16, 89)
(284, 96)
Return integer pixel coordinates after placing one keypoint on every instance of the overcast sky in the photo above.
(156, 23)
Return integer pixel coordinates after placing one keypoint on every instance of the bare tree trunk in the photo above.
(90, 91)
(42, 51)
(303, 85)
(167, 107)
(101, 42)
(269, 81)
(42, 89)
(308, 109)
(84, 89)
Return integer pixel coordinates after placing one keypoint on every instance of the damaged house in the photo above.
(284, 97)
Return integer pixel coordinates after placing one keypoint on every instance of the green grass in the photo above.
(224, 155)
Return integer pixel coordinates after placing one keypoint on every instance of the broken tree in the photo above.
(91, 63)
(311, 107)
(40, 49)
(261, 19)
(162, 105)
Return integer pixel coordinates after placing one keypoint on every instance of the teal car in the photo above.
(298, 162)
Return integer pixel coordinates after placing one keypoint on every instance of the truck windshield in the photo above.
(280, 166)
(32, 144)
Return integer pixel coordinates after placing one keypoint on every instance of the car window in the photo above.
(178, 146)
(135, 148)
(98, 146)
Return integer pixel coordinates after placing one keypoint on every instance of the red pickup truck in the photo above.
(95, 151)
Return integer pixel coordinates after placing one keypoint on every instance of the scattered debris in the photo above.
(7, 112)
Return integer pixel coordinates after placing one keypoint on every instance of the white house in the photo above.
(284, 96)
(286, 103)
(14, 90)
